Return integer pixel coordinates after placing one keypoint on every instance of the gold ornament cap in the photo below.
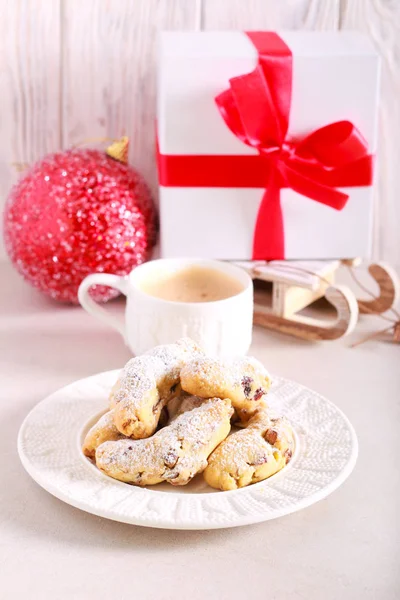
(119, 150)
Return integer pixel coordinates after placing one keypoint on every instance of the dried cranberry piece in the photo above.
(288, 454)
(246, 384)
(258, 394)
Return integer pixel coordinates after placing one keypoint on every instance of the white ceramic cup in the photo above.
(222, 327)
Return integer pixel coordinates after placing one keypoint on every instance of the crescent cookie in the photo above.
(243, 380)
(174, 454)
(247, 456)
(145, 386)
(102, 431)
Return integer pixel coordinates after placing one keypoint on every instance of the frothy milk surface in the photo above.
(192, 284)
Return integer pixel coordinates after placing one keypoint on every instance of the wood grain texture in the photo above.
(381, 20)
(270, 14)
(341, 298)
(109, 53)
(29, 85)
(389, 290)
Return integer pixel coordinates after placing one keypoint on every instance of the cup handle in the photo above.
(93, 308)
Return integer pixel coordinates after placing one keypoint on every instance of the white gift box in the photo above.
(335, 77)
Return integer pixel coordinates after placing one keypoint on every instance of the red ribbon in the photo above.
(256, 109)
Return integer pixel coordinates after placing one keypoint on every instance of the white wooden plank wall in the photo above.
(77, 69)
(30, 94)
(109, 70)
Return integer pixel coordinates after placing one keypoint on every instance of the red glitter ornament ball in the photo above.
(75, 213)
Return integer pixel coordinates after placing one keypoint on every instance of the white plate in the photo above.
(49, 446)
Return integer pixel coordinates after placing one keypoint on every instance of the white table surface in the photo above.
(345, 547)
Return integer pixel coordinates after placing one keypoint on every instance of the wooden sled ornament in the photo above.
(296, 286)
(308, 328)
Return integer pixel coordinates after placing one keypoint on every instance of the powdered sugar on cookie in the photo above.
(175, 454)
(252, 454)
(102, 431)
(146, 384)
(197, 396)
(243, 380)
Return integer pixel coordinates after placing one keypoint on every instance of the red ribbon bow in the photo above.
(256, 109)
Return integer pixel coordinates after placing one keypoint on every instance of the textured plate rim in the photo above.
(43, 482)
